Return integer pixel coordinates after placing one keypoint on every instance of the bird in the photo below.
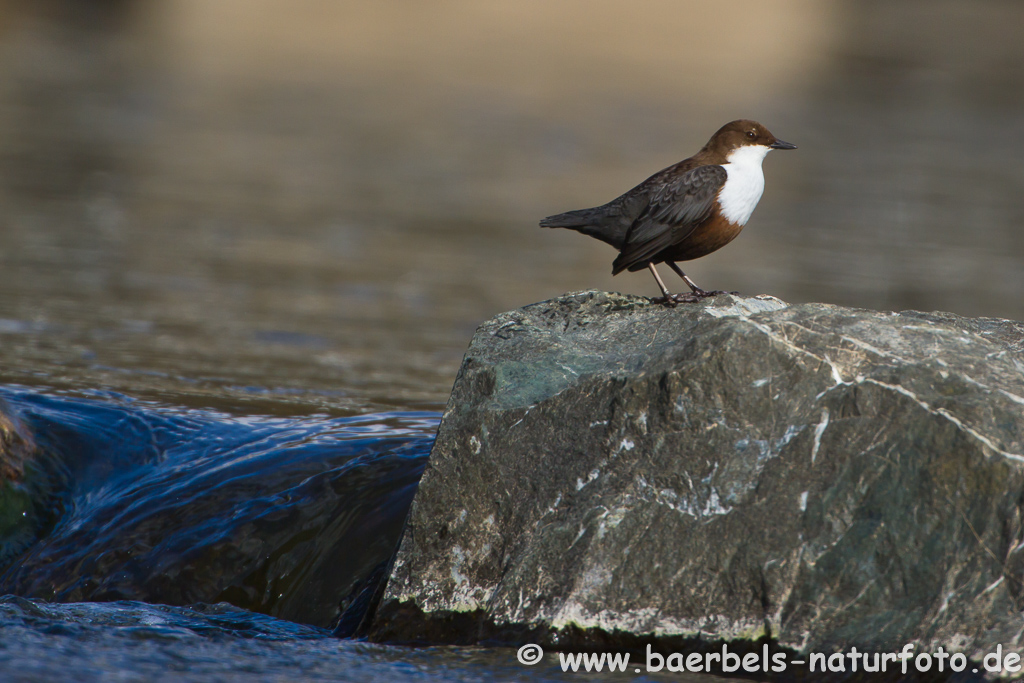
(685, 211)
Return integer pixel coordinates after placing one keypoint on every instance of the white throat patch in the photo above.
(745, 184)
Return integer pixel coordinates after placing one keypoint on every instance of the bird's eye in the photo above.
(750, 134)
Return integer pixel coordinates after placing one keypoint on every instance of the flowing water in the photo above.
(243, 246)
(132, 641)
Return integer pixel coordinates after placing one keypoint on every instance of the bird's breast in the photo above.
(711, 235)
(741, 191)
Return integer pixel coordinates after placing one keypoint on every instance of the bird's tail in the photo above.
(569, 219)
(594, 222)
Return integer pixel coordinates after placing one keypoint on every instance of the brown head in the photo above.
(741, 133)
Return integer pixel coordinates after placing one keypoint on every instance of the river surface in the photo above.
(244, 244)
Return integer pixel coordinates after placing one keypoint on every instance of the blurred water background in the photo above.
(264, 210)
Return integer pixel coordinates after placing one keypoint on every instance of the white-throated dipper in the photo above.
(686, 211)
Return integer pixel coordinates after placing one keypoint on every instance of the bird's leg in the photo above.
(697, 291)
(661, 283)
(669, 299)
(693, 285)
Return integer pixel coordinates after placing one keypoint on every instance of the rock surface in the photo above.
(723, 471)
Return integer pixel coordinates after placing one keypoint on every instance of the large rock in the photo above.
(607, 468)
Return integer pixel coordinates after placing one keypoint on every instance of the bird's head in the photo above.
(749, 136)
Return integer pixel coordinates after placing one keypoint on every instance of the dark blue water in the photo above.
(132, 500)
(132, 641)
(122, 499)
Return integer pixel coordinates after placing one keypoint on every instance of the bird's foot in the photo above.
(673, 300)
(704, 294)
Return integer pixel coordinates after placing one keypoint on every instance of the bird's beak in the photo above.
(779, 144)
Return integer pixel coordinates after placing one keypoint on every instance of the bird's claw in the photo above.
(704, 294)
(673, 300)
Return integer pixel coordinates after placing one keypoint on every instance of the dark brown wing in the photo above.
(676, 208)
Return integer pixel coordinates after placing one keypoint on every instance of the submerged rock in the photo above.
(608, 469)
(28, 486)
